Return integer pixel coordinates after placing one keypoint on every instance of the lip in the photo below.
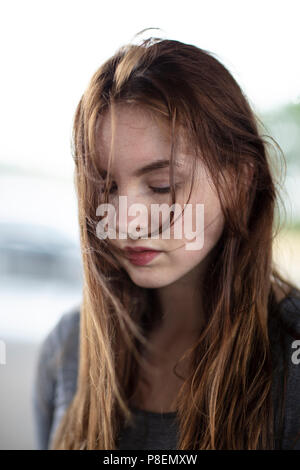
(141, 255)
(138, 249)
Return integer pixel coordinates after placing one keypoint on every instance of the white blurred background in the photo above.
(49, 50)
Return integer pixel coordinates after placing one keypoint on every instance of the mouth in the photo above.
(140, 256)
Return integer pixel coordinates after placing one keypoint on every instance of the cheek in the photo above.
(203, 218)
(181, 261)
(213, 221)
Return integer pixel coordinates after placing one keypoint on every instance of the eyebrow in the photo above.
(156, 165)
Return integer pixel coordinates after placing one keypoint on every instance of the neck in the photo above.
(181, 307)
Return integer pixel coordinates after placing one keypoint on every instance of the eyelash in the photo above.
(164, 190)
(160, 190)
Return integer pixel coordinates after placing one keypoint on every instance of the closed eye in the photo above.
(165, 189)
(161, 190)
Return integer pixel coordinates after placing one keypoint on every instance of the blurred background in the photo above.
(49, 50)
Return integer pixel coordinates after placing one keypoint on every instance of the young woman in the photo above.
(175, 345)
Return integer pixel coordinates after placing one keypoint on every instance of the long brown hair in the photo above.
(225, 403)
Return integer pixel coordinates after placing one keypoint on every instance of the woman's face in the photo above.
(140, 141)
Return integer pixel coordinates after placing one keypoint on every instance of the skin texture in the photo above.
(176, 272)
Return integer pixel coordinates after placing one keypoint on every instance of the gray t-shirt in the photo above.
(54, 386)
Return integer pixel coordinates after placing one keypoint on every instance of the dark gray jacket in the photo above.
(55, 384)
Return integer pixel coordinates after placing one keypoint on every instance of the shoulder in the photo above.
(284, 329)
(58, 352)
(66, 326)
(62, 341)
(55, 375)
(287, 344)
(289, 314)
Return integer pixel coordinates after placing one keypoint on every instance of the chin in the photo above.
(149, 279)
(147, 283)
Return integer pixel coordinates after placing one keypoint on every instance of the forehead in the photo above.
(135, 138)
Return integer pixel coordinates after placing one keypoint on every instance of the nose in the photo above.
(132, 217)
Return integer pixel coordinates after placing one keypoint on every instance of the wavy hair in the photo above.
(226, 400)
